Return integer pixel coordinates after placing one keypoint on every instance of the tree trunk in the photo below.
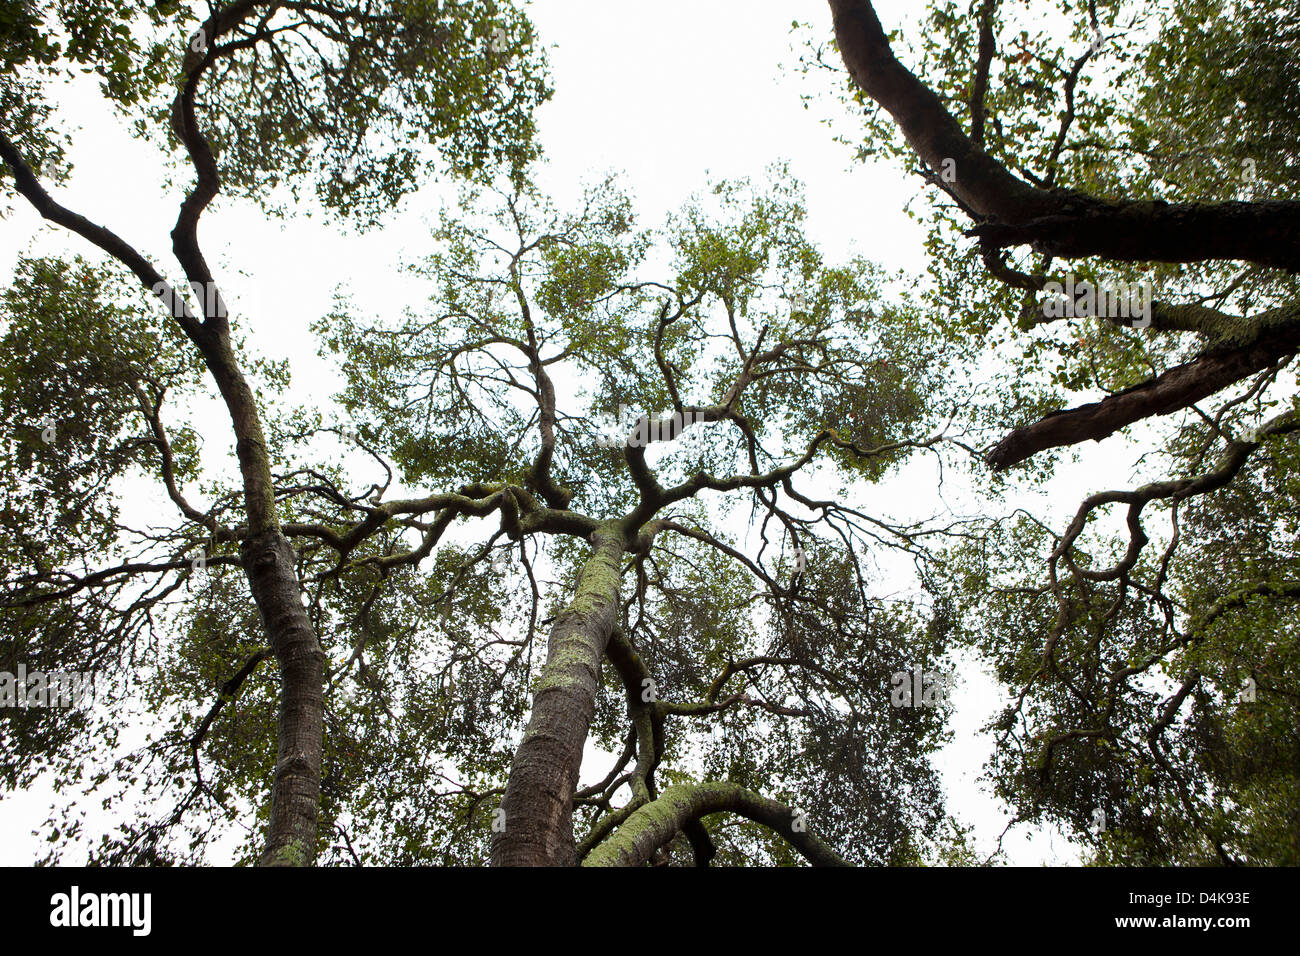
(269, 564)
(268, 561)
(538, 802)
(265, 553)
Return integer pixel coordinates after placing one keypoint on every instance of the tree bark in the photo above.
(1178, 388)
(655, 824)
(268, 561)
(269, 564)
(1010, 211)
(538, 803)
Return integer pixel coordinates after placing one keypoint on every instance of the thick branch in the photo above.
(105, 239)
(654, 825)
(1059, 223)
(1178, 388)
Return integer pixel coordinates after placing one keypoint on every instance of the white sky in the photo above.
(670, 93)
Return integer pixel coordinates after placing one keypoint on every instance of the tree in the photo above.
(1156, 705)
(652, 444)
(747, 336)
(782, 652)
(250, 95)
(753, 347)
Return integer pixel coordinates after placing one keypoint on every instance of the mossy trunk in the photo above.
(538, 803)
(679, 807)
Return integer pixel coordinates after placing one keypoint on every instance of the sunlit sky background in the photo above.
(671, 94)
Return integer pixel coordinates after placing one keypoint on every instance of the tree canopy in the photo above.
(612, 487)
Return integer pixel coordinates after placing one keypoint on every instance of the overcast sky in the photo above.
(671, 94)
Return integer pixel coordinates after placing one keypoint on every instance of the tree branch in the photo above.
(1010, 211)
(655, 824)
(1176, 389)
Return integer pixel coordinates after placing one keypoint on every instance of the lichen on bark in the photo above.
(538, 800)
